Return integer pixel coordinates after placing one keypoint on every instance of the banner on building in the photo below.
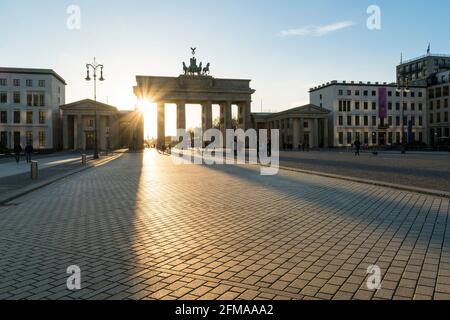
(382, 103)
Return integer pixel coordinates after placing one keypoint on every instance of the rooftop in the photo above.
(32, 71)
(429, 55)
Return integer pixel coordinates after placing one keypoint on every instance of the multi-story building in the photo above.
(373, 113)
(419, 70)
(438, 106)
(29, 108)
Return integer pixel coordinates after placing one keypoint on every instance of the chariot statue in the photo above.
(193, 68)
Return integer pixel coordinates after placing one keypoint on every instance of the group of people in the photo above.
(18, 151)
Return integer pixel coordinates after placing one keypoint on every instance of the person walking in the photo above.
(357, 147)
(28, 151)
(17, 151)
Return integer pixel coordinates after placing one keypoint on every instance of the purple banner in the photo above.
(382, 102)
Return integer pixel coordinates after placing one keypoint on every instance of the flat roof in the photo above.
(32, 71)
(365, 84)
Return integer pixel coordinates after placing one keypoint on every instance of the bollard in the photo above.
(34, 170)
(83, 159)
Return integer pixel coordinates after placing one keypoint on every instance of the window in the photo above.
(3, 82)
(438, 117)
(29, 117)
(413, 106)
(420, 106)
(374, 120)
(390, 106)
(413, 94)
(41, 100)
(349, 120)
(397, 121)
(16, 117)
(397, 137)
(91, 123)
(446, 103)
(374, 93)
(35, 99)
(389, 93)
(341, 121)
(420, 121)
(341, 138)
(29, 137)
(349, 92)
(445, 116)
(366, 93)
(390, 136)
(431, 94)
(374, 138)
(42, 139)
(390, 120)
(438, 92)
(3, 116)
(357, 121)
(420, 94)
(420, 137)
(42, 83)
(405, 120)
(431, 118)
(431, 105)
(405, 106)
(341, 92)
(16, 82)
(366, 120)
(16, 97)
(445, 92)
(357, 93)
(349, 138)
(366, 138)
(374, 105)
(29, 83)
(438, 104)
(42, 117)
(357, 105)
(366, 105)
(3, 97)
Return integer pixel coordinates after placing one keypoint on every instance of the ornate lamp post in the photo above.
(402, 89)
(94, 67)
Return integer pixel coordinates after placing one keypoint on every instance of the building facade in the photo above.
(373, 113)
(307, 125)
(419, 71)
(29, 108)
(438, 107)
(115, 129)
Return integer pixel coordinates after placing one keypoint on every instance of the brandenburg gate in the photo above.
(196, 86)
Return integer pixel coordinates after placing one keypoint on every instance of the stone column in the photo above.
(206, 116)
(225, 119)
(296, 128)
(161, 128)
(245, 116)
(65, 130)
(316, 133)
(325, 132)
(181, 115)
(302, 130)
(80, 132)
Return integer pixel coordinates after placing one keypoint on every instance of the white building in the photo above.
(29, 107)
(374, 113)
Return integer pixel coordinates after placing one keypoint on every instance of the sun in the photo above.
(148, 109)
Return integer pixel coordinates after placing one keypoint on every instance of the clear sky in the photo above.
(285, 47)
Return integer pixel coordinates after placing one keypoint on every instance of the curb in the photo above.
(9, 196)
(431, 192)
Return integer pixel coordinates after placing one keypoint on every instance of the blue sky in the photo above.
(241, 39)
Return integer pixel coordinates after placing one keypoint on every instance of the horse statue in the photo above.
(205, 70)
(199, 69)
(185, 69)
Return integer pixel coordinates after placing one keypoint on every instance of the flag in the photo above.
(429, 48)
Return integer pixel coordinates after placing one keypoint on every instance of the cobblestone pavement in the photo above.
(420, 170)
(141, 228)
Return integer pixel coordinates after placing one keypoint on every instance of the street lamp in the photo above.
(402, 88)
(94, 67)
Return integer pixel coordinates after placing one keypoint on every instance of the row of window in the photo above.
(365, 121)
(17, 117)
(42, 138)
(439, 118)
(438, 92)
(373, 93)
(374, 138)
(346, 106)
(438, 104)
(16, 83)
(36, 99)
